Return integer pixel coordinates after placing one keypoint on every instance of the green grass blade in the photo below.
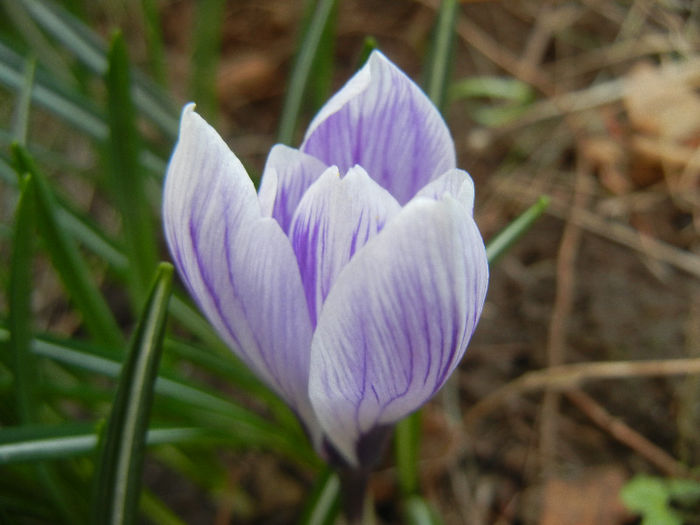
(507, 98)
(156, 511)
(369, 44)
(89, 49)
(67, 260)
(190, 400)
(323, 504)
(154, 41)
(80, 115)
(118, 475)
(55, 443)
(30, 33)
(21, 124)
(407, 448)
(418, 512)
(67, 104)
(19, 294)
(500, 244)
(321, 75)
(26, 376)
(301, 70)
(438, 67)
(205, 56)
(127, 178)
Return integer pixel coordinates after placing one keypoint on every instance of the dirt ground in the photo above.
(607, 279)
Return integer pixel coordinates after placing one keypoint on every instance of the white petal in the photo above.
(382, 121)
(238, 265)
(397, 320)
(287, 175)
(335, 218)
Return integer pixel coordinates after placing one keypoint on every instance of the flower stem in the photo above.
(353, 483)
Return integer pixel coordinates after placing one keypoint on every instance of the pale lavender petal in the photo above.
(382, 121)
(287, 175)
(397, 320)
(335, 218)
(238, 265)
(456, 183)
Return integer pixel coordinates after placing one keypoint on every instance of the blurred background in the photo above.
(572, 392)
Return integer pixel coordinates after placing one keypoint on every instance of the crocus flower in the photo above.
(353, 280)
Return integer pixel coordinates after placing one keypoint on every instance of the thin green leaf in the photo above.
(127, 179)
(323, 504)
(321, 76)
(418, 512)
(154, 41)
(192, 401)
(156, 511)
(33, 36)
(19, 294)
(407, 447)
(301, 70)
(118, 475)
(81, 115)
(493, 87)
(205, 58)
(369, 44)
(21, 124)
(67, 104)
(67, 260)
(80, 227)
(438, 66)
(26, 376)
(515, 97)
(500, 244)
(195, 323)
(89, 49)
(227, 367)
(55, 443)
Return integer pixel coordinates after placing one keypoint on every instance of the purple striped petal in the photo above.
(397, 321)
(238, 265)
(287, 175)
(335, 218)
(382, 121)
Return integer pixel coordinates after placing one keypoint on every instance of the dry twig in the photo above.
(566, 377)
(626, 434)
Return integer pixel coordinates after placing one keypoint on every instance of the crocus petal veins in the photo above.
(354, 279)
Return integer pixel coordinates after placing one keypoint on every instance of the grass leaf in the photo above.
(19, 303)
(500, 244)
(323, 504)
(127, 179)
(66, 258)
(303, 64)
(418, 512)
(407, 447)
(118, 475)
(206, 54)
(89, 49)
(41, 443)
(438, 65)
(154, 41)
(21, 124)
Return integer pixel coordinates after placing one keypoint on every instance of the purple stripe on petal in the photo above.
(238, 265)
(397, 321)
(287, 175)
(382, 121)
(335, 218)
